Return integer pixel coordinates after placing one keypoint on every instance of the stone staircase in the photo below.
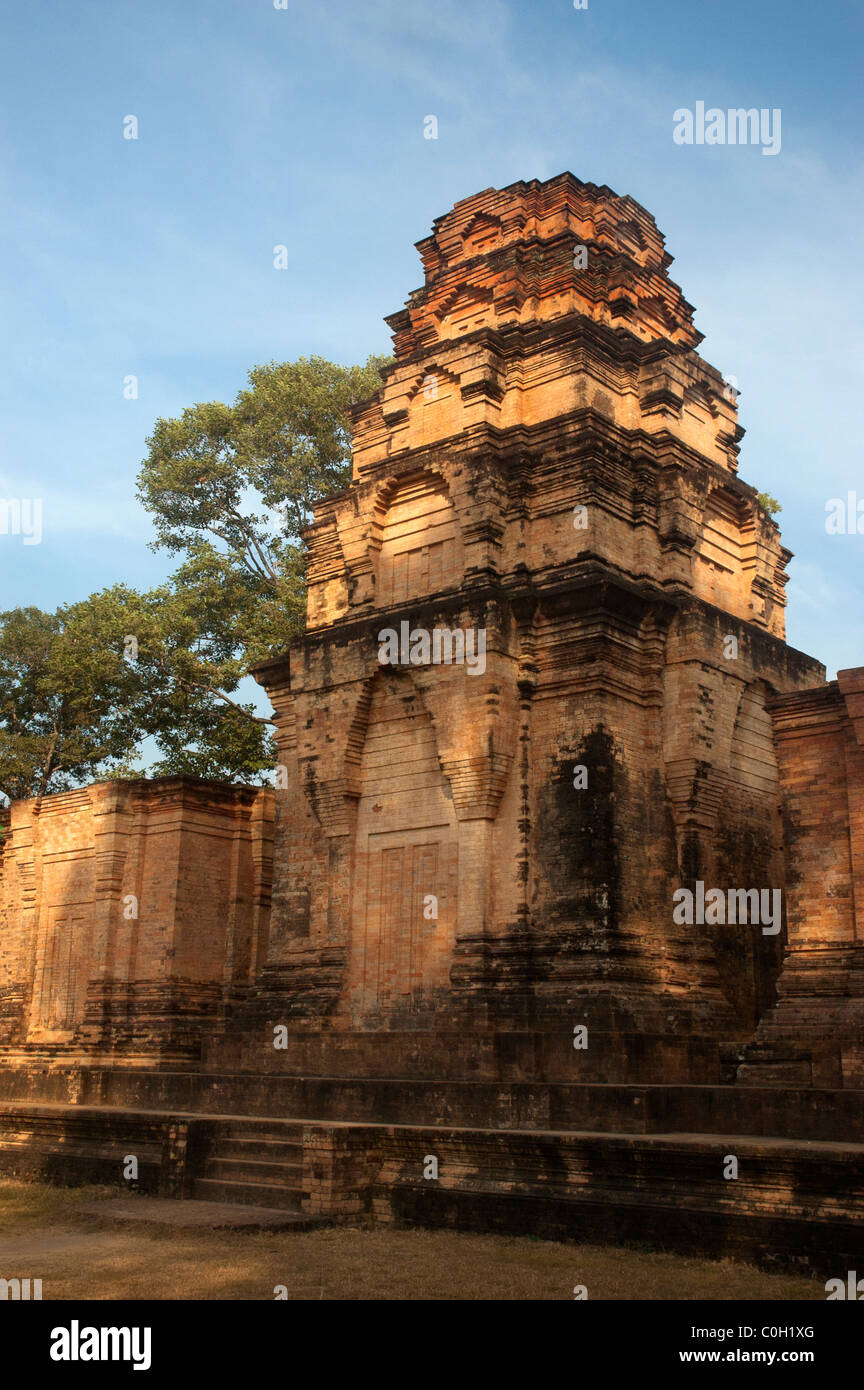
(254, 1164)
(624, 1144)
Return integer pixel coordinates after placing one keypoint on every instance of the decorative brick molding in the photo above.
(130, 913)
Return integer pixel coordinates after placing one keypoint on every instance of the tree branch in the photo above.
(220, 695)
(258, 718)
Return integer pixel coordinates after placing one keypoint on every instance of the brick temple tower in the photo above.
(550, 467)
(450, 931)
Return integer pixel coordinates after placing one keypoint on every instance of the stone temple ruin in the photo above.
(450, 930)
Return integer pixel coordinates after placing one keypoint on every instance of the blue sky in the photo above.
(304, 127)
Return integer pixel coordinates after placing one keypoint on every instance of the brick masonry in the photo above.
(129, 914)
(433, 900)
(550, 463)
(815, 1032)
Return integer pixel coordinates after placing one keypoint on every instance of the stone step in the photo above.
(251, 1130)
(803, 1113)
(274, 1150)
(253, 1170)
(199, 1214)
(772, 1240)
(791, 1201)
(687, 1166)
(247, 1193)
(471, 1055)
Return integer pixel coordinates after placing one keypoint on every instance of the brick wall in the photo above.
(128, 911)
(550, 462)
(816, 1031)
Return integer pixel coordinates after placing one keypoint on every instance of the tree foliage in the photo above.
(769, 504)
(229, 490)
(68, 707)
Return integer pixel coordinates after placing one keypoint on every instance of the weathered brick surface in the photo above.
(645, 646)
(815, 1033)
(523, 389)
(792, 1204)
(129, 912)
(799, 1112)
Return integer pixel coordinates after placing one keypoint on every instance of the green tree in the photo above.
(70, 702)
(82, 688)
(229, 490)
(189, 664)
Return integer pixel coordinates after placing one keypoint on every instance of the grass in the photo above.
(44, 1235)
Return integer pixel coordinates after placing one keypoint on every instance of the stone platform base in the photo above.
(794, 1204)
(630, 1140)
(214, 1216)
(795, 1112)
(473, 1055)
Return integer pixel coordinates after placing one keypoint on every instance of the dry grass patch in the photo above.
(43, 1234)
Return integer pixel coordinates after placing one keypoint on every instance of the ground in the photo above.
(45, 1235)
